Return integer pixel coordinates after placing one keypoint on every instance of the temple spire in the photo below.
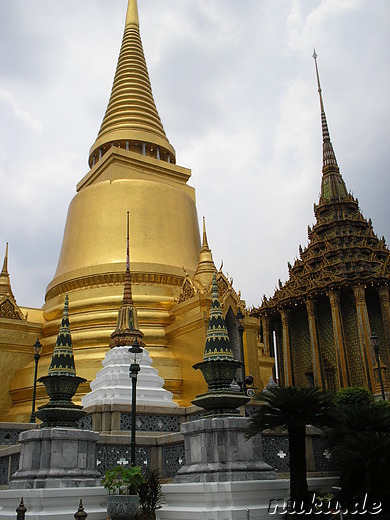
(5, 263)
(131, 121)
(127, 292)
(62, 361)
(127, 323)
(132, 14)
(332, 186)
(206, 267)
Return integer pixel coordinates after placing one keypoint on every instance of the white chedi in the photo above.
(113, 384)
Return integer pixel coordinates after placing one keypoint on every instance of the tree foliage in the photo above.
(293, 408)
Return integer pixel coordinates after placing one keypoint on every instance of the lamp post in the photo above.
(136, 352)
(375, 346)
(240, 327)
(37, 354)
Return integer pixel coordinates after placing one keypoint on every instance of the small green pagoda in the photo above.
(61, 382)
(224, 396)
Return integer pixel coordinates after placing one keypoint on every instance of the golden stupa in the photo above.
(132, 168)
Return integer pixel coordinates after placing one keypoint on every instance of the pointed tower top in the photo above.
(8, 306)
(62, 361)
(217, 337)
(206, 268)
(127, 331)
(131, 120)
(5, 263)
(332, 186)
(132, 14)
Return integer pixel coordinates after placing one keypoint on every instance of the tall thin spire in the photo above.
(206, 268)
(132, 14)
(131, 120)
(127, 292)
(127, 324)
(332, 186)
(5, 263)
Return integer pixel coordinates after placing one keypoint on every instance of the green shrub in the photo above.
(353, 396)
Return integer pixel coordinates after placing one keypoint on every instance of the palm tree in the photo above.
(360, 445)
(293, 408)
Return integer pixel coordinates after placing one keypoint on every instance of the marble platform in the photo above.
(112, 385)
(237, 500)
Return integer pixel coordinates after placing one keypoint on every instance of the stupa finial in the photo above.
(132, 13)
(127, 324)
(206, 267)
(204, 242)
(127, 292)
(131, 121)
(5, 263)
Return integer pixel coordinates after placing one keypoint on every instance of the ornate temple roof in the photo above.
(8, 307)
(343, 249)
(62, 361)
(131, 115)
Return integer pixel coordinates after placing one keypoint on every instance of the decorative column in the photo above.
(384, 299)
(338, 335)
(364, 334)
(287, 359)
(267, 331)
(314, 344)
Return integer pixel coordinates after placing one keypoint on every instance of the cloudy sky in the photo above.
(234, 83)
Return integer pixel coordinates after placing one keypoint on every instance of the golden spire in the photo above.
(131, 120)
(5, 263)
(8, 306)
(206, 268)
(5, 285)
(132, 14)
(127, 324)
(332, 186)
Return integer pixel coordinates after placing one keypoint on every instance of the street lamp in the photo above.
(375, 346)
(240, 327)
(136, 352)
(37, 354)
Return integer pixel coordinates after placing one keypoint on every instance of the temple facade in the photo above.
(132, 168)
(319, 323)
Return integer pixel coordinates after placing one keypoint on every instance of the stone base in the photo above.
(56, 458)
(58, 503)
(221, 500)
(216, 450)
(231, 500)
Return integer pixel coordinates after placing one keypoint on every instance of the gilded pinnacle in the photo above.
(131, 121)
(132, 13)
(5, 263)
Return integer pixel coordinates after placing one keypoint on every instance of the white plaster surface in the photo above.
(229, 500)
(113, 385)
(56, 503)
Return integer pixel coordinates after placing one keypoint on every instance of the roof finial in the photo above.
(132, 13)
(318, 81)
(332, 186)
(205, 244)
(329, 157)
(5, 263)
